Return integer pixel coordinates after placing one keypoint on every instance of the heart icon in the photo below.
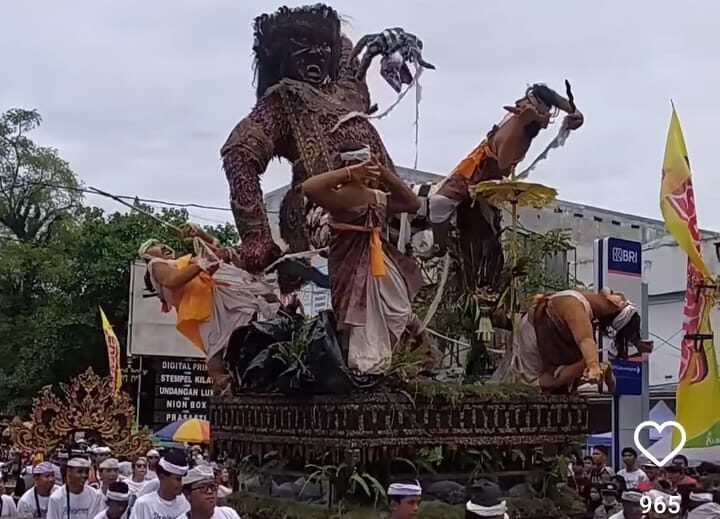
(659, 428)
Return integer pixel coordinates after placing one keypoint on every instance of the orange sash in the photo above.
(475, 158)
(196, 304)
(377, 255)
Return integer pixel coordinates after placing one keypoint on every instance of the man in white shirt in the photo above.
(7, 504)
(75, 499)
(166, 502)
(631, 506)
(200, 490)
(34, 502)
(117, 499)
(632, 475)
(153, 457)
(109, 471)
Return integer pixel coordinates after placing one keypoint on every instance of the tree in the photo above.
(50, 292)
(32, 208)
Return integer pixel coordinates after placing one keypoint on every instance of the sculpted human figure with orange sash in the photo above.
(372, 283)
(212, 297)
(554, 346)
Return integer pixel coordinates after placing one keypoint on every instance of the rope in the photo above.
(440, 291)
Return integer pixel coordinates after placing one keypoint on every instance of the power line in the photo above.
(149, 201)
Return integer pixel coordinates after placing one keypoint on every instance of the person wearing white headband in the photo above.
(75, 499)
(631, 506)
(117, 500)
(207, 312)
(109, 471)
(702, 505)
(200, 489)
(34, 502)
(404, 500)
(153, 457)
(167, 501)
(485, 501)
(371, 283)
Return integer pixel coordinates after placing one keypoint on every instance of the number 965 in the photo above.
(660, 505)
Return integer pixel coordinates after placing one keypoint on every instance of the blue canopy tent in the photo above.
(659, 414)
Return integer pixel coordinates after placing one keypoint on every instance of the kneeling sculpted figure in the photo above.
(307, 79)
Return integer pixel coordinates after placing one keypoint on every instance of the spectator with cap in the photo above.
(600, 472)
(610, 504)
(703, 506)
(631, 473)
(7, 503)
(153, 457)
(109, 471)
(117, 499)
(98, 455)
(137, 480)
(486, 501)
(75, 499)
(34, 502)
(404, 500)
(167, 502)
(651, 470)
(200, 490)
(630, 506)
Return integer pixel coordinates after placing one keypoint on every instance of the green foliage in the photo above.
(59, 261)
(31, 207)
(536, 252)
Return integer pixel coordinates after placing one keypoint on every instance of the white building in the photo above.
(664, 262)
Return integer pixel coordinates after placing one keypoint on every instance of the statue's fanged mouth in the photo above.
(313, 73)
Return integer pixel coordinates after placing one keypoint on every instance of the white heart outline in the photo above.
(659, 428)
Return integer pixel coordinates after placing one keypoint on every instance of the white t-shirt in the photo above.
(634, 478)
(135, 487)
(149, 487)
(27, 506)
(85, 505)
(8, 506)
(152, 506)
(103, 515)
(224, 512)
(618, 515)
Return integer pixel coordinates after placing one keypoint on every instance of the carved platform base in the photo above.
(253, 423)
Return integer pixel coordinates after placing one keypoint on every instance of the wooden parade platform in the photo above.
(429, 414)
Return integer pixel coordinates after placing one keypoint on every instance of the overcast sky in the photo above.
(139, 96)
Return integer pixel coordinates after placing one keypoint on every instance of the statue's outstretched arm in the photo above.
(245, 155)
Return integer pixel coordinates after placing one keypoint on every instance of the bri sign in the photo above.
(624, 257)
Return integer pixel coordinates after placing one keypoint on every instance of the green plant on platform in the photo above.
(293, 354)
(426, 459)
(343, 481)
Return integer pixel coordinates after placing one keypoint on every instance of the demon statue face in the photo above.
(301, 43)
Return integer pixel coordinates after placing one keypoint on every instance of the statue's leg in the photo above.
(562, 378)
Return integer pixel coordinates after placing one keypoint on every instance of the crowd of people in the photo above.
(683, 491)
(93, 484)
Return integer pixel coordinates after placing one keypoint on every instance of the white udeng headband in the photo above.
(404, 490)
(178, 470)
(117, 496)
(623, 317)
(361, 155)
(487, 511)
(701, 497)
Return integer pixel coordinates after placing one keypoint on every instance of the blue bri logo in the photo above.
(624, 256)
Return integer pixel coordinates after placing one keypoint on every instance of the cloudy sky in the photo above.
(139, 96)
